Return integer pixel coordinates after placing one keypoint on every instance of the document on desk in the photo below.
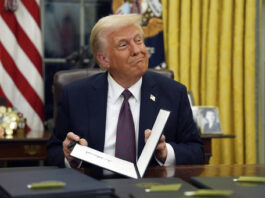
(120, 166)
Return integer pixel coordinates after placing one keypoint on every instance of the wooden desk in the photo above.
(128, 188)
(27, 148)
(185, 172)
(23, 148)
(207, 141)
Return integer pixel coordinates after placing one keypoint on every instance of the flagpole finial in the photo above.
(11, 5)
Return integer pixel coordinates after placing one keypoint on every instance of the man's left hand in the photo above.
(161, 149)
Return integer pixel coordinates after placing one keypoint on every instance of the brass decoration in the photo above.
(151, 11)
(11, 122)
(32, 149)
(116, 4)
(154, 26)
(2, 131)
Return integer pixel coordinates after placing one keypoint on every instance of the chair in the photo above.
(64, 77)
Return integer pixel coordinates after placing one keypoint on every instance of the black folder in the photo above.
(13, 183)
(132, 188)
(240, 189)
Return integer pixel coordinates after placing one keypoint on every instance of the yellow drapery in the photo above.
(210, 46)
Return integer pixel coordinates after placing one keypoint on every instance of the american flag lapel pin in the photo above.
(152, 97)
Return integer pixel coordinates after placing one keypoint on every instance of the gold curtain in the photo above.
(210, 46)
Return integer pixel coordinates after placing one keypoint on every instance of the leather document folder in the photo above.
(15, 184)
(118, 165)
(129, 188)
(240, 189)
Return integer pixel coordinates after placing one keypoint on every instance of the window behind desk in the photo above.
(66, 27)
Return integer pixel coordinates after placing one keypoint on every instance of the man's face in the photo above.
(126, 55)
(210, 116)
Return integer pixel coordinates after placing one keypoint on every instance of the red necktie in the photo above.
(125, 140)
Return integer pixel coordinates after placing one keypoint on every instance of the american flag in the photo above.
(21, 75)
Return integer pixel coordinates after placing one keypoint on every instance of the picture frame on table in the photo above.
(208, 120)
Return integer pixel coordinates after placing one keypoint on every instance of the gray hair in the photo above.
(107, 25)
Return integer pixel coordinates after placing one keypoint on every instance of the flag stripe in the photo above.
(33, 9)
(21, 59)
(21, 80)
(14, 95)
(21, 83)
(31, 28)
(23, 40)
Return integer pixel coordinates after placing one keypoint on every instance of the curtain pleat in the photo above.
(225, 78)
(249, 94)
(238, 82)
(185, 27)
(204, 30)
(172, 35)
(195, 49)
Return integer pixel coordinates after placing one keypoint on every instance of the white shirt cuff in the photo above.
(67, 164)
(171, 159)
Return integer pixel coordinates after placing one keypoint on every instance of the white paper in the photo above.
(122, 166)
(152, 141)
(104, 160)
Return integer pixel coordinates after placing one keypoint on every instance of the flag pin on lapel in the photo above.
(152, 97)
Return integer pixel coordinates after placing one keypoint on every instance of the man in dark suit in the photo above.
(88, 110)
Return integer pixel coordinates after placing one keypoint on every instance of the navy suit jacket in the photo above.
(82, 110)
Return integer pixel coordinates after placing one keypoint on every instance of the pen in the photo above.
(71, 144)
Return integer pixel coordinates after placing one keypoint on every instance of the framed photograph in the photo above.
(190, 96)
(209, 121)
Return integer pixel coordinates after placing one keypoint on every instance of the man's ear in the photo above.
(103, 60)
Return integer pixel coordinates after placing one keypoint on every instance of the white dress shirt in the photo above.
(114, 102)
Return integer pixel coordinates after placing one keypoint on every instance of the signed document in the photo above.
(120, 166)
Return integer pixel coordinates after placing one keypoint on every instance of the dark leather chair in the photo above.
(62, 78)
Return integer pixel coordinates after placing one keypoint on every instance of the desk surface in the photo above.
(216, 135)
(185, 172)
(31, 136)
(125, 188)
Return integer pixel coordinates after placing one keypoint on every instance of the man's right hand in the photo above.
(72, 137)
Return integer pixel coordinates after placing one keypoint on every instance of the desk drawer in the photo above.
(22, 151)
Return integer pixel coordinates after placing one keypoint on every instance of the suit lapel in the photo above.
(98, 108)
(149, 108)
